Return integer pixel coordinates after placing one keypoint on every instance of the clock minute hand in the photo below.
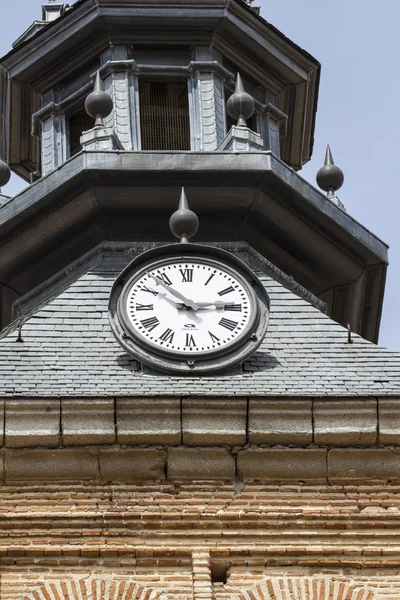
(175, 293)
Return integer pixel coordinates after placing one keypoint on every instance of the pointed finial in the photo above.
(184, 223)
(330, 178)
(98, 104)
(240, 105)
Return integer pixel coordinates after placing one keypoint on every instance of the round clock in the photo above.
(189, 308)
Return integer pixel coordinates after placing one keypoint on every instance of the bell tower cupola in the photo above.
(111, 106)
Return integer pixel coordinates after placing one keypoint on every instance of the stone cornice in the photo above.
(137, 439)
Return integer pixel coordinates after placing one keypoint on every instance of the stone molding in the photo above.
(196, 438)
(100, 138)
(200, 421)
(213, 463)
(241, 139)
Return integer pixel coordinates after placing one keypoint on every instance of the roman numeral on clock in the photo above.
(144, 306)
(167, 336)
(150, 323)
(227, 290)
(165, 278)
(146, 289)
(190, 341)
(228, 324)
(236, 307)
(187, 275)
(209, 279)
(213, 337)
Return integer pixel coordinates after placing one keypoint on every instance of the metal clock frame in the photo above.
(216, 360)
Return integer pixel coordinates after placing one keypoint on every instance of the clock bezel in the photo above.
(168, 352)
(223, 360)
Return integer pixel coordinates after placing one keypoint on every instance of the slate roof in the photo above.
(68, 349)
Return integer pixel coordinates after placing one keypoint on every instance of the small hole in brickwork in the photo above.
(218, 572)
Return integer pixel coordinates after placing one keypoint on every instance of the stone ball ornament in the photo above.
(240, 105)
(184, 223)
(98, 104)
(5, 173)
(330, 178)
(188, 309)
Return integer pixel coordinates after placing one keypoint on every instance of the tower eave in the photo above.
(251, 196)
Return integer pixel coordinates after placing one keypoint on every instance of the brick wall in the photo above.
(200, 540)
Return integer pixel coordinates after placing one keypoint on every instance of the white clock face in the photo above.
(188, 307)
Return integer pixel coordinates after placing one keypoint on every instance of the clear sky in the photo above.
(357, 43)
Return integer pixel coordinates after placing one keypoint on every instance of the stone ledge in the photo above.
(49, 465)
(207, 421)
(201, 463)
(148, 421)
(89, 421)
(389, 421)
(35, 422)
(378, 463)
(279, 464)
(280, 421)
(132, 464)
(345, 422)
(198, 464)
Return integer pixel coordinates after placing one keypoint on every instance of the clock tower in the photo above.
(194, 404)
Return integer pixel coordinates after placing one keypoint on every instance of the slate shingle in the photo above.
(69, 350)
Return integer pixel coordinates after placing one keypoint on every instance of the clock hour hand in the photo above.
(217, 304)
(175, 293)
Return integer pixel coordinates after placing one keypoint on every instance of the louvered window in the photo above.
(78, 122)
(164, 115)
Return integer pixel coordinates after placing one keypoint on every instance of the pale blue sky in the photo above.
(357, 43)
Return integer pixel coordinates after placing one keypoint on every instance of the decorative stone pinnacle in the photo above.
(330, 178)
(240, 105)
(184, 223)
(98, 104)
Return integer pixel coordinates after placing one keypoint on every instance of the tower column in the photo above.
(54, 140)
(207, 99)
(123, 87)
(272, 125)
